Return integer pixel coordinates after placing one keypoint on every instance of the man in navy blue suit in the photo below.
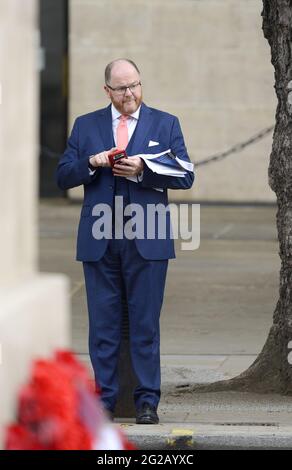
(114, 263)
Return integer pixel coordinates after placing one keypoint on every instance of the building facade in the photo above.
(205, 61)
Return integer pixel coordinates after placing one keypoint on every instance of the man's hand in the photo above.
(101, 159)
(131, 166)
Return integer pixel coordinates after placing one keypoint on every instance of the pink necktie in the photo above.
(122, 133)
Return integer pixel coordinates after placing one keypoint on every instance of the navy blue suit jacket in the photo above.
(91, 134)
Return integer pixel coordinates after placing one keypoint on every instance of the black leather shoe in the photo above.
(147, 415)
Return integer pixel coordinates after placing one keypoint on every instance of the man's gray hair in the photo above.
(108, 69)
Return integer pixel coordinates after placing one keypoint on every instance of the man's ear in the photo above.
(106, 91)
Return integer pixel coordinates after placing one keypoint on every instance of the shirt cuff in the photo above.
(140, 176)
(91, 168)
(91, 172)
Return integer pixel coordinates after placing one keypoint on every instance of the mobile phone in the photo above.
(115, 156)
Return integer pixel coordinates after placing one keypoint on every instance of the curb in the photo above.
(188, 436)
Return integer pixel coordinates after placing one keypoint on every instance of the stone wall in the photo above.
(205, 61)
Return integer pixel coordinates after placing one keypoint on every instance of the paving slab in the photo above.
(217, 311)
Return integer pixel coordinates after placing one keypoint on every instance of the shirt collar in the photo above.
(116, 114)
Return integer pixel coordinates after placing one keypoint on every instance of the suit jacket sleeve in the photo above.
(73, 170)
(177, 146)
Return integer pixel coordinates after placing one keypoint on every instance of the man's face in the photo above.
(125, 101)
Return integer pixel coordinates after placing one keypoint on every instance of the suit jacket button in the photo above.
(111, 187)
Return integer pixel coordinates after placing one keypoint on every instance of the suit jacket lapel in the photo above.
(106, 128)
(141, 132)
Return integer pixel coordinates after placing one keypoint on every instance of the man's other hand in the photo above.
(131, 166)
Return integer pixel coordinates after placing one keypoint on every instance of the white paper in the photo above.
(163, 169)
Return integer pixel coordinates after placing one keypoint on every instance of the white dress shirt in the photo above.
(131, 122)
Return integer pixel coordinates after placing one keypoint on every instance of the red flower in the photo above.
(58, 409)
(20, 438)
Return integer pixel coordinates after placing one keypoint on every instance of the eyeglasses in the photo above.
(121, 90)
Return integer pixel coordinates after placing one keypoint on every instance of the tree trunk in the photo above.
(271, 371)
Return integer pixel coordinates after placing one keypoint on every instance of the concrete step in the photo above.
(198, 436)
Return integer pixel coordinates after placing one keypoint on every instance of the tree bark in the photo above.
(271, 371)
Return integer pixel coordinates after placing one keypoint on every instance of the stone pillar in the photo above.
(34, 308)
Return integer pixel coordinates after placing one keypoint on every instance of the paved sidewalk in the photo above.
(211, 437)
(217, 311)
